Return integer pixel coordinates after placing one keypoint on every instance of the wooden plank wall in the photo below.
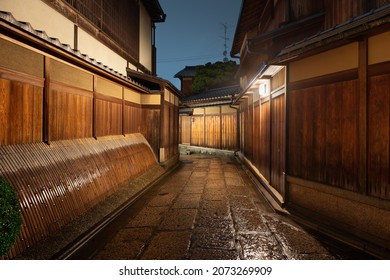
(263, 132)
(341, 11)
(185, 130)
(132, 118)
(378, 156)
(197, 131)
(69, 113)
(323, 134)
(44, 100)
(21, 108)
(229, 131)
(339, 123)
(34, 109)
(170, 126)
(212, 127)
(150, 126)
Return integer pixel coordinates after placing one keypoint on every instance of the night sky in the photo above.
(192, 34)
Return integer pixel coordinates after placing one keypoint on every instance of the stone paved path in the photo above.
(209, 209)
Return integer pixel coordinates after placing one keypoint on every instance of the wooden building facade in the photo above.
(81, 113)
(314, 112)
(208, 120)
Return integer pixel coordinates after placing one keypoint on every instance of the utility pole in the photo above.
(225, 58)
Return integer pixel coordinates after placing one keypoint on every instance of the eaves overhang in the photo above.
(338, 34)
(266, 71)
(261, 70)
(154, 8)
(153, 82)
(25, 33)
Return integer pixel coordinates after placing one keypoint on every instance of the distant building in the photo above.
(207, 118)
(186, 77)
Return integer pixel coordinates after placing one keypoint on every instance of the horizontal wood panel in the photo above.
(69, 75)
(107, 88)
(20, 59)
(336, 60)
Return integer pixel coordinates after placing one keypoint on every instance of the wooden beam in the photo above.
(363, 61)
(46, 101)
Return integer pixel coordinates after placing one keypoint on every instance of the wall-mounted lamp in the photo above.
(264, 87)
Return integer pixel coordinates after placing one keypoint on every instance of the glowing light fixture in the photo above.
(264, 87)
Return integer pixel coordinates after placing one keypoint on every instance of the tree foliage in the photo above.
(10, 216)
(213, 75)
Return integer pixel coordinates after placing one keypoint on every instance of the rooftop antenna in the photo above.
(225, 58)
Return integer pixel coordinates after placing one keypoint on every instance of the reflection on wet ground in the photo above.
(209, 209)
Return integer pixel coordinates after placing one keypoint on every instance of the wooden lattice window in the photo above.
(119, 19)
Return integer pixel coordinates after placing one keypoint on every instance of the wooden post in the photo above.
(123, 111)
(220, 127)
(94, 108)
(363, 60)
(46, 101)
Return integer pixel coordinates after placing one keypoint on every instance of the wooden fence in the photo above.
(70, 136)
(210, 127)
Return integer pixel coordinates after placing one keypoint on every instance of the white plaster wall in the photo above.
(87, 44)
(145, 48)
(42, 17)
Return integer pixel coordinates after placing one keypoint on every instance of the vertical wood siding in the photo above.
(217, 131)
(132, 118)
(323, 134)
(213, 131)
(198, 131)
(69, 113)
(66, 107)
(21, 110)
(229, 132)
(256, 135)
(265, 140)
(169, 131)
(379, 136)
(150, 127)
(278, 143)
(185, 130)
(341, 11)
(108, 117)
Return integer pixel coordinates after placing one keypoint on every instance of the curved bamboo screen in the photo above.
(58, 182)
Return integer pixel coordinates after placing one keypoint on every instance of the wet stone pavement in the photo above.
(209, 209)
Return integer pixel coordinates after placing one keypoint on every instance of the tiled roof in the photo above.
(215, 96)
(341, 31)
(155, 10)
(9, 19)
(188, 71)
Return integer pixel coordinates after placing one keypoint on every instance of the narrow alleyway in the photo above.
(209, 209)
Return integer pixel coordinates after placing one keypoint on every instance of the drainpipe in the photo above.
(238, 126)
